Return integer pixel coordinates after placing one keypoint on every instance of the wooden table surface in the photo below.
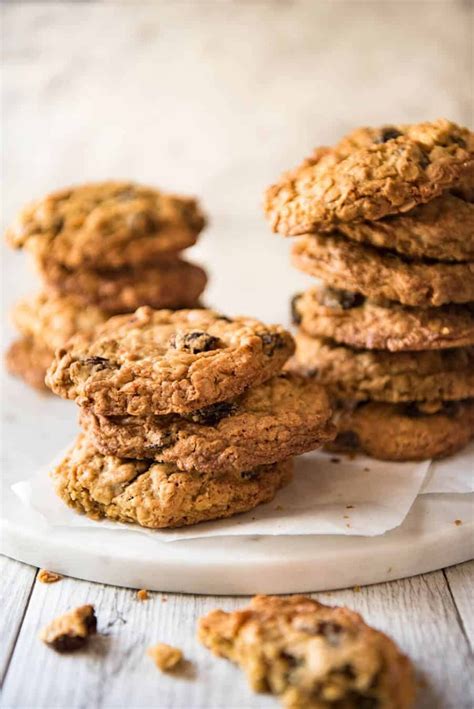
(430, 616)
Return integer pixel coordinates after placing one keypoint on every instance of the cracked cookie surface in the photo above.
(169, 284)
(382, 274)
(283, 417)
(442, 229)
(158, 495)
(352, 319)
(161, 362)
(107, 224)
(405, 431)
(371, 173)
(310, 655)
(379, 375)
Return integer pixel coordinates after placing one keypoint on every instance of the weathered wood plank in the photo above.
(15, 589)
(461, 583)
(418, 613)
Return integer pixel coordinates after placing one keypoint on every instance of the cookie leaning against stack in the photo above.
(186, 417)
(100, 249)
(386, 219)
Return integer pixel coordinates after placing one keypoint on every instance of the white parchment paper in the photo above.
(330, 494)
(453, 474)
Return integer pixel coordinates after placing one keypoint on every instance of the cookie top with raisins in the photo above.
(107, 225)
(371, 173)
(352, 319)
(162, 362)
(283, 417)
(311, 655)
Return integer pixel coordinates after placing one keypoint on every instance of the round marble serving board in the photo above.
(427, 540)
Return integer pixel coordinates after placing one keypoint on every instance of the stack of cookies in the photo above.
(100, 249)
(386, 220)
(185, 417)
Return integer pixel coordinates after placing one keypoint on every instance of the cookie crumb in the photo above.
(335, 460)
(356, 589)
(48, 576)
(346, 517)
(70, 631)
(143, 594)
(349, 507)
(279, 508)
(458, 522)
(366, 470)
(348, 525)
(165, 657)
(390, 569)
(164, 599)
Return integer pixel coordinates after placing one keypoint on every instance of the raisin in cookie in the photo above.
(370, 174)
(442, 229)
(158, 495)
(107, 225)
(382, 274)
(161, 362)
(310, 655)
(352, 319)
(53, 319)
(173, 283)
(28, 359)
(405, 431)
(281, 418)
(386, 376)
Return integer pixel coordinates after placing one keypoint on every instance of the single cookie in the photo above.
(370, 174)
(351, 319)
(281, 418)
(382, 274)
(310, 655)
(169, 284)
(107, 225)
(442, 229)
(386, 376)
(158, 495)
(162, 362)
(29, 360)
(405, 431)
(53, 319)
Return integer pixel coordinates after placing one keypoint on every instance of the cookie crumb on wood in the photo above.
(165, 657)
(70, 631)
(458, 522)
(48, 576)
(143, 594)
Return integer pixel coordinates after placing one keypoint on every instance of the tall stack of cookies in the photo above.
(100, 249)
(386, 220)
(185, 417)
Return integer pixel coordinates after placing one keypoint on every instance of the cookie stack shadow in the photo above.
(385, 222)
(186, 417)
(100, 249)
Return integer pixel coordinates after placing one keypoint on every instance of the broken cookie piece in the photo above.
(70, 631)
(310, 655)
(165, 657)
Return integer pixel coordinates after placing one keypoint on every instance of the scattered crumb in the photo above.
(165, 656)
(458, 522)
(279, 508)
(348, 525)
(352, 456)
(346, 517)
(143, 594)
(335, 460)
(390, 569)
(48, 576)
(356, 589)
(164, 599)
(366, 470)
(70, 631)
(349, 507)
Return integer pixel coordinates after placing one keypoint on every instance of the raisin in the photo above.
(343, 299)
(348, 440)
(98, 362)
(295, 315)
(272, 342)
(249, 475)
(424, 160)
(388, 133)
(195, 342)
(210, 415)
(459, 141)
